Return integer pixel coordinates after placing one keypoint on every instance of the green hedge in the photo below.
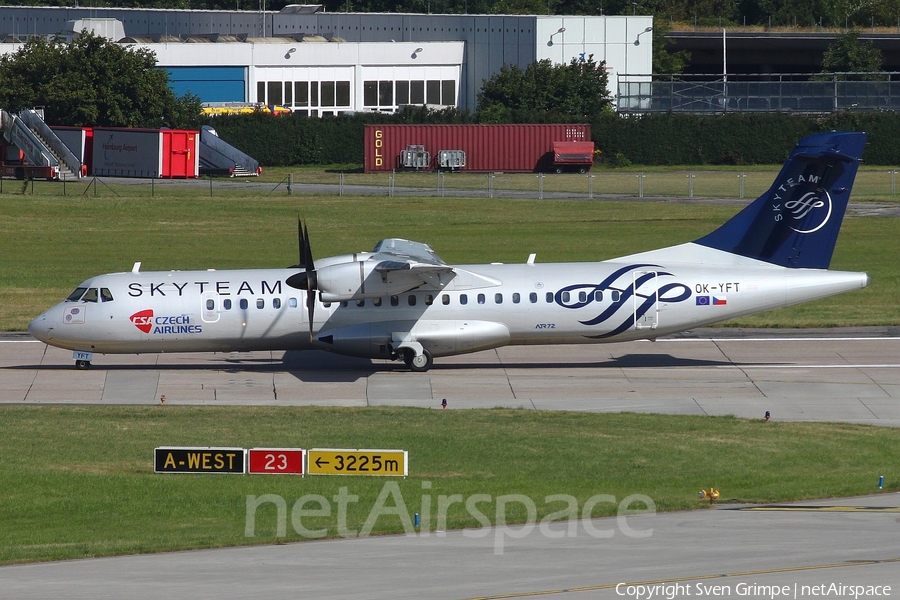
(654, 139)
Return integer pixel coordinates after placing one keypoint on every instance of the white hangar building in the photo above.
(328, 63)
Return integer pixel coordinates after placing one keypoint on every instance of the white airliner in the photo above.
(402, 302)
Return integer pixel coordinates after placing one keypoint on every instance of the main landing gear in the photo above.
(418, 362)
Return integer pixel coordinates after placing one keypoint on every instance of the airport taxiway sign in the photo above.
(198, 460)
(334, 461)
(275, 461)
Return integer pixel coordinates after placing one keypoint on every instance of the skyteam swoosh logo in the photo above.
(631, 304)
(816, 205)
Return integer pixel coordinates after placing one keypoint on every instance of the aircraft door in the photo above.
(646, 299)
(210, 309)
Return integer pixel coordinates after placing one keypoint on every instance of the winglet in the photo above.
(796, 223)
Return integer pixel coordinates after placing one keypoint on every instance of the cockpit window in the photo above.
(106, 295)
(90, 296)
(76, 295)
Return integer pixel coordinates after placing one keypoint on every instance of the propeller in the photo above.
(307, 280)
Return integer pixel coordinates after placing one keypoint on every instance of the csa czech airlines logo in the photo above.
(143, 320)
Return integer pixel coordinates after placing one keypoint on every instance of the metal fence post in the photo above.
(490, 185)
(690, 185)
(590, 185)
(541, 186)
(641, 184)
(341, 184)
(741, 186)
(893, 181)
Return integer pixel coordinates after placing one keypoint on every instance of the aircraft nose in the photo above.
(40, 327)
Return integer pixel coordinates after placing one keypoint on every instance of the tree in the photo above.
(546, 92)
(664, 61)
(93, 82)
(850, 54)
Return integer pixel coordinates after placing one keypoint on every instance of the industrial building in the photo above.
(327, 63)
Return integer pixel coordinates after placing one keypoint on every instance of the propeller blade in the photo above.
(309, 281)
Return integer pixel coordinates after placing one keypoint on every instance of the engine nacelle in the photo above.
(360, 279)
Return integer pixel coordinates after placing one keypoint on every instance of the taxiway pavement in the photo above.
(814, 375)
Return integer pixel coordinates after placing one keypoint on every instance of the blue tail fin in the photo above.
(795, 224)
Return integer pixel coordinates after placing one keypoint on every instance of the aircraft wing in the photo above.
(414, 263)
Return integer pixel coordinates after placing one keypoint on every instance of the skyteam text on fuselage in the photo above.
(402, 302)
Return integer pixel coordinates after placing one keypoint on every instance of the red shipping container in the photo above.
(506, 148)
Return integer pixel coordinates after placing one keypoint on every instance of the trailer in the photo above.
(508, 148)
(573, 156)
(155, 153)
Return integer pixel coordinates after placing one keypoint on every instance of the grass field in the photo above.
(50, 243)
(78, 481)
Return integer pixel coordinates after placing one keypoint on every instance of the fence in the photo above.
(871, 184)
(785, 92)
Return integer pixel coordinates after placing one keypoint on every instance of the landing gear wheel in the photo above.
(82, 364)
(421, 362)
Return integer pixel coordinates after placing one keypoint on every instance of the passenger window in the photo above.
(463, 299)
(360, 303)
(106, 295)
(76, 295)
(226, 304)
(210, 304)
(376, 301)
(411, 300)
(244, 304)
(90, 296)
(292, 302)
(395, 300)
(480, 298)
(276, 302)
(498, 298)
(516, 298)
(260, 303)
(615, 295)
(565, 297)
(549, 297)
(532, 297)
(429, 299)
(582, 296)
(598, 296)
(445, 299)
